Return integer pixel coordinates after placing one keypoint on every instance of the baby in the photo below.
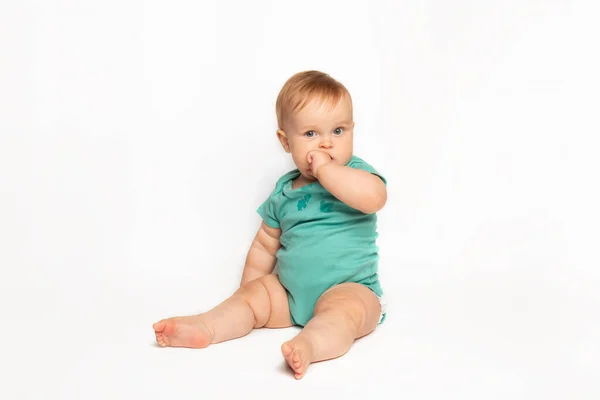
(313, 261)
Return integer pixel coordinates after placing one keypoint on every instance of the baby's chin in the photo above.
(307, 174)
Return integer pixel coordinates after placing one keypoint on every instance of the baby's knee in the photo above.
(347, 300)
(252, 289)
(256, 295)
(257, 285)
(348, 307)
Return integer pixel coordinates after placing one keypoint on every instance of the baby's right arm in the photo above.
(261, 259)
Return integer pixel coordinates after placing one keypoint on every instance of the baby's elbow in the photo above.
(375, 202)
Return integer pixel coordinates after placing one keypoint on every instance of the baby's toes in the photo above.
(286, 349)
(160, 339)
(298, 362)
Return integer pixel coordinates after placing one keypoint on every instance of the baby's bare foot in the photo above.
(298, 353)
(183, 332)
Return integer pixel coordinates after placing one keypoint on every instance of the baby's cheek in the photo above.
(300, 159)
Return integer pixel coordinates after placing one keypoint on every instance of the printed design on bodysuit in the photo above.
(326, 206)
(303, 202)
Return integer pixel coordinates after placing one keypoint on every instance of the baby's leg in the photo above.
(342, 314)
(259, 303)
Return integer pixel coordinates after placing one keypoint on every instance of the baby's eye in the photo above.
(338, 131)
(310, 134)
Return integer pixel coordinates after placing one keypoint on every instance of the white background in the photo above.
(137, 139)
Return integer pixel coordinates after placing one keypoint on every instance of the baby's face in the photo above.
(320, 127)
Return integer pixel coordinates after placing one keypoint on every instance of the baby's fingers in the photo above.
(309, 157)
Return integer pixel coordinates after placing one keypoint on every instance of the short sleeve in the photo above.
(267, 212)
(358, 163)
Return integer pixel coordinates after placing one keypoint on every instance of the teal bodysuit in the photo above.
(324, 242)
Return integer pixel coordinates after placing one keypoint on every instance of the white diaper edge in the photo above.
(383, 303)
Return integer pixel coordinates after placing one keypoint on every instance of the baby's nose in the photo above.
(325, 143)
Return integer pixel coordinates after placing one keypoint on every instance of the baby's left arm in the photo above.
(261, 258)
(358, 189)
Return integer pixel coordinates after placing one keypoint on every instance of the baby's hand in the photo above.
(316, 159)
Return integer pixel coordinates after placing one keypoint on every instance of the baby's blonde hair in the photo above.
(303, 87)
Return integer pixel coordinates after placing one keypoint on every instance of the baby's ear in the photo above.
(282, 136)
